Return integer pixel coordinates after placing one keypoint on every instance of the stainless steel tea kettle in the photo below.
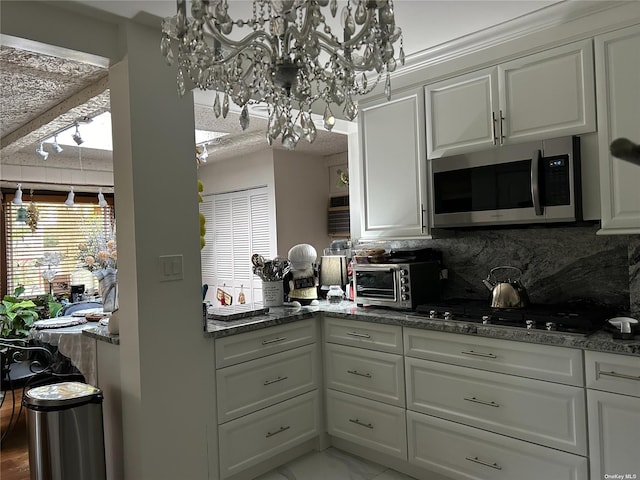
(509, 293)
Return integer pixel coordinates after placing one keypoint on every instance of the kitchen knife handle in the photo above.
(535, 183)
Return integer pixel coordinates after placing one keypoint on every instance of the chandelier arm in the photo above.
(241, 45)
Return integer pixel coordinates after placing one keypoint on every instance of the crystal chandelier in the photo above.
(284, 55)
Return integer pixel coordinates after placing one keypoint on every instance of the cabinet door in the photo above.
(250, 386)
(618, 77)
(371, 424)
(461, 113)
(259, 436)
(541, 412)
(367, 373)
(547, 95)
(614, 435)
(393, 183)
(462, 452)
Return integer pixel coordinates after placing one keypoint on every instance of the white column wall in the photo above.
(167, 366)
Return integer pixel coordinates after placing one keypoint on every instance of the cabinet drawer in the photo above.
(258, 436)
(248, 346)
(375, 375)
(613, 373)
(546, 413)
(555, 364)
(375, 336)
(370, 424)
(462, 452)
(250, 386)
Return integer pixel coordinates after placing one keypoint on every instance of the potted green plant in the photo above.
(17, 315)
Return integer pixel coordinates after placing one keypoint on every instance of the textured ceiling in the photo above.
(40, 95)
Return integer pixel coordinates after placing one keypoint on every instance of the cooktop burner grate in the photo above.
(564, 318)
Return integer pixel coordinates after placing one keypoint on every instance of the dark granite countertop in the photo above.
(601, 341)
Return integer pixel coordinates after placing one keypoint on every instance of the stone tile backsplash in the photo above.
(559, 264)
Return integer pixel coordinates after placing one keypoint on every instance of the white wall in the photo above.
(239, 173)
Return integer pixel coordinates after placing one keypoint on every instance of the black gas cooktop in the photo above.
(574, 318)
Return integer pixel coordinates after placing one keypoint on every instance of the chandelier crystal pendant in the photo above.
(284, 55)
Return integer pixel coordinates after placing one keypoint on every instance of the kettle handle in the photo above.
(505, 267)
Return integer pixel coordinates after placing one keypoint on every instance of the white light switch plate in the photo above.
(170, 268)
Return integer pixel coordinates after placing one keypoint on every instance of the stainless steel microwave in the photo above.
(401, 286)
(532, 183)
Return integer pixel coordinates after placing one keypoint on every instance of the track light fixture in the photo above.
(56, 148)
(101, 201)
(17, 199)
(69, 201)
(42, 152)
(76, 136)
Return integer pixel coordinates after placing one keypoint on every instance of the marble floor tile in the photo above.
(332, 464)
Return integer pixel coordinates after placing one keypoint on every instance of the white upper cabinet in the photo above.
(461, 113)
(545, 95)
(617, 60)
(393, 167)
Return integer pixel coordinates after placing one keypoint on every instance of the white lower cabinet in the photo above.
(484, 408)
(371, 424)
(256, 437)
(267, 395)
(613, 400)
(465, 453)
(541, 412)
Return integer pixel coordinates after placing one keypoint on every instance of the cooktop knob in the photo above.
(530, 324)
(404, 297)
(448, 316)
(432, 314)
(486, 319)
(551, 326)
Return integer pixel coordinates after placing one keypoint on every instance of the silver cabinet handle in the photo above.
(478, 354)
(535, 184)
(493, 127)
(273, 340)
(275, 380)
(501, 128)
(620, 375)
(355, 372)
(483, 402)
(280, 430)
(359, 335)
(358, 422)
(422, 216)
(482, 462)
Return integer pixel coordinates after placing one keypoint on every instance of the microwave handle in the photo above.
(535, 182)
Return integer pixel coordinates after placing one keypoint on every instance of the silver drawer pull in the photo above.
(358, 422)
(482, 462)
(359, 335)
(478, 354)
(280, 430)
(275, 380)
(620, 375)
(483, 402)
(273, 340)
(355, 372)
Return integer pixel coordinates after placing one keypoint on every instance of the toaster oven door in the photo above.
(376, 285)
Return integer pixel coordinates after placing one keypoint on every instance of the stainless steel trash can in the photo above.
(66, 438)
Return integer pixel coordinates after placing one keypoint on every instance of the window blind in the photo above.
(240, 226)
(58, 232)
